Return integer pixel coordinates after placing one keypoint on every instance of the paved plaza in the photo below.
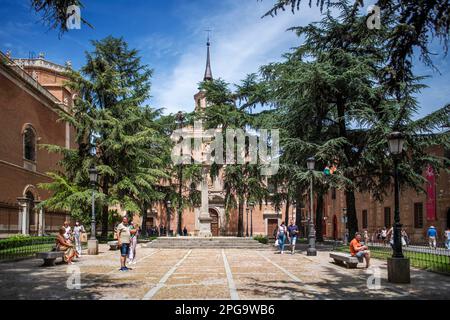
(211, 274)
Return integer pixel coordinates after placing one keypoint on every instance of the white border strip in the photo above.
(293, 277)
(163, 280)
(231, 285)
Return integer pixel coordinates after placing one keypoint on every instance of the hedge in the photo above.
(22, 240)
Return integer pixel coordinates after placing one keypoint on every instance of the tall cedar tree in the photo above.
(115, 131)
(334, 82)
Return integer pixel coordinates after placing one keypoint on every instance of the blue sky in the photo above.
(170, 35)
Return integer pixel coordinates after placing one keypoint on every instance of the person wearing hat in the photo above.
(432, 234)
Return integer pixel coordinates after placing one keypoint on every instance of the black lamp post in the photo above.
(251, 205)
(398, 265)
(169, 206)
(93, 242)
(311, 251)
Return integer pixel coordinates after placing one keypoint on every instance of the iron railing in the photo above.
(27, 249)
(421, 255)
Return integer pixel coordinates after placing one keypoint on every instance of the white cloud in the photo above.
(241, 43)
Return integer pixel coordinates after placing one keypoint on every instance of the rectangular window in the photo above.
(418, 215)
(364, 219)
(387, 217)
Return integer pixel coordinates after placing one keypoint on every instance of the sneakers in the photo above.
(123, 269)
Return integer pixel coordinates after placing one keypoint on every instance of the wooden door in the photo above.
(272, 225)
(214, 223)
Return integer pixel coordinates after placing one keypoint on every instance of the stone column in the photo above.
(40, 220)
(24, 217)
(204, 218)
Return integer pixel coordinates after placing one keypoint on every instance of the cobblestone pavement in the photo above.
(211, 274)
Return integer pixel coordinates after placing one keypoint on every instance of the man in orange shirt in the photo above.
(358, 250)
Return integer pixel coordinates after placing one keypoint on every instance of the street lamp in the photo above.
(93, 242)
(398, 265)
(251, 205)
(311, 251)
(169, 206)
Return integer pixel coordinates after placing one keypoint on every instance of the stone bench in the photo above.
(345, 259)
(50, 257)
(113, 245)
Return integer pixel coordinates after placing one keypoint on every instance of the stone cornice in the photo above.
(20, 77)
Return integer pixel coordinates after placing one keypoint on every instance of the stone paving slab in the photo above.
(212, 274)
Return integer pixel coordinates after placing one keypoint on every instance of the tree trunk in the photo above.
(286, 218)
(298, 215)
(144, 219)
(105, 210)
(352, 219)
(105, 216)
(168, 219)
(319, 217)
(241, 218)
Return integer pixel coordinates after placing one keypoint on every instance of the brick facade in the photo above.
(27, 103)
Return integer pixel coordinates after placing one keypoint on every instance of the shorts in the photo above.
(293, 240)
(360, 255)
(124, 249)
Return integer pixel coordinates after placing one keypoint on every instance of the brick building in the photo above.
(418, 211)
(212, 218)
(31, 93)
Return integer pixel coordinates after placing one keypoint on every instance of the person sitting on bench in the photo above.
(358, 250)
(63, 245)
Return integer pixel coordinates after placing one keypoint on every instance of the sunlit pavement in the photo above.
(212, 274)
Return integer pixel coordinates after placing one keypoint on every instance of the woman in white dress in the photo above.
(77, 230)
(133, 243)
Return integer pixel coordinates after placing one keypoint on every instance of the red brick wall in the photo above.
(17, 108)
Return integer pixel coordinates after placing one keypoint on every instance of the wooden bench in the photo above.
(345, 259)
(113, 245)
(50, 257)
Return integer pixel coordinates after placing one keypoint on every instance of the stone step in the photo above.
(198, 242)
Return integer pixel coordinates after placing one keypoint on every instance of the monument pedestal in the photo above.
(398, 270)
(92, 247)
(205, 226)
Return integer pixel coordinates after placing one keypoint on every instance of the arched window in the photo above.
(29, 144)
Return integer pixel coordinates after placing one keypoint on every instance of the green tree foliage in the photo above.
(335, 102)
(115, 131)
(54, 13)
(230, 110)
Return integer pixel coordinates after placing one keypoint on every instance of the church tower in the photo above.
(200, 99)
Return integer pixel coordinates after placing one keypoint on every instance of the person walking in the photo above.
(68, 231)
(293, 234)
(281, 236)
(432, 237)
(405, 238)
(447, 238)
(77, 231)
(366, 237)
(185, 232)
(383, 235)
(123, 240)
(133, 243)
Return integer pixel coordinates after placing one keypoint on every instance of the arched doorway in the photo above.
(214, 222)
(335, 227)
(32, 227)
